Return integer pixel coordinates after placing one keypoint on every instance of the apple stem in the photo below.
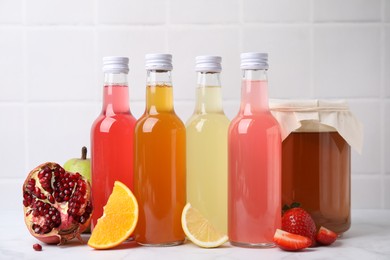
(84, 153)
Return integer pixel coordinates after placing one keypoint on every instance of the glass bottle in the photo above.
(207, 132)
(160, 160)
(254, 154)
(112, 136)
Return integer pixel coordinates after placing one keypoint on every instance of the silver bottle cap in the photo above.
(158, 61)
(254, 61)
(115, 64)
(207, 63)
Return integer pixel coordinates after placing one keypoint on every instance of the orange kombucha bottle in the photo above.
(160, 160)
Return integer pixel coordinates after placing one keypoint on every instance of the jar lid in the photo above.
(115, 64)
(158, 61)
(208, 63)
(318, 116)
(254, 61)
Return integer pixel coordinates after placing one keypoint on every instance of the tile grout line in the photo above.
(311, 51)
(96, 50)
(25, 88)
(167, 24)
(240, 26)
(382, 106)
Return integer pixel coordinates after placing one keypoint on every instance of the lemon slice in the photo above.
(199, 230)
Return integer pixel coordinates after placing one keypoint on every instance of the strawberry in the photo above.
(298, 221)
(326, 236)
(290, 242)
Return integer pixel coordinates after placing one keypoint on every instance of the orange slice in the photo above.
(118, 221)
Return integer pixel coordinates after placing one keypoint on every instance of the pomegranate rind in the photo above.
(69, 227)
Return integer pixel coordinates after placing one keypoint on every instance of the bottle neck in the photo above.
(115, 94)
(208, 93)
(254, 92)
(159, 93)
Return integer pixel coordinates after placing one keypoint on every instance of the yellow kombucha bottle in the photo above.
(207, 131)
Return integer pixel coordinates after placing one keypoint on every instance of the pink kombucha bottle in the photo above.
(112, 136)
(254, 153)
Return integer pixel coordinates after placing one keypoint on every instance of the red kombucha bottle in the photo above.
(112, 136)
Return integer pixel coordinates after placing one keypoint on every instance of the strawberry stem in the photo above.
(295, 205)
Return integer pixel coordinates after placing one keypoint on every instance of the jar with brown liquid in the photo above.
(316, 161)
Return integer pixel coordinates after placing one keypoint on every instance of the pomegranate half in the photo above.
(57, 203)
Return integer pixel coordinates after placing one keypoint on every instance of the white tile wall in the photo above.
(131, 12)
(276, 11)
(59, 64)
(48, 12)
(346, 10)
(12, 140)
(12, 86)
(387, 60)
(204, 11)
(346, 60)
(288, 77)
(57, 130)
(204, 41)
(13, 188)
(366, 192)
(134, 43)
(50, 68)
(387, 138)
(11, 11)
(387, 193)
(386, 10)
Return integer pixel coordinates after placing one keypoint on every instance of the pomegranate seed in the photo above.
(37, 247)
(37, 229)
(51, 199)
(37, 191)
(35, 213)
(41, 174)
(82, 219)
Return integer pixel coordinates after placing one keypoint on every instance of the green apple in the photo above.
(81, 165)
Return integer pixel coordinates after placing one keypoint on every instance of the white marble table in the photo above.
(368, 238)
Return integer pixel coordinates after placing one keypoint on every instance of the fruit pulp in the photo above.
(254, 181)
(207, 161)
(316, 173)
(111, 147)
(160, 170)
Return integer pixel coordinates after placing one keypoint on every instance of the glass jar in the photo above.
(316, 158)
